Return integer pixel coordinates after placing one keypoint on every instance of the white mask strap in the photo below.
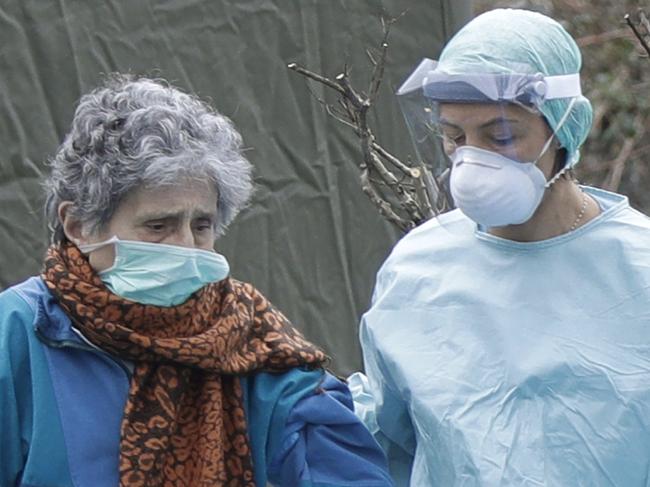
(88, 248)
(550, 141)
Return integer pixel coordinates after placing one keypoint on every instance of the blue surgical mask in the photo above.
(159, 274)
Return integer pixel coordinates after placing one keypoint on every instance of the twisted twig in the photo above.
(642, 24)
(403, 192)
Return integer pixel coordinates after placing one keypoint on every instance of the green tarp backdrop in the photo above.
(310, 240)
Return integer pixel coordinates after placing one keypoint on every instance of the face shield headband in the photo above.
(525, 89)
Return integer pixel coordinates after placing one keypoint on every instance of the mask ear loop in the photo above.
(557, 176)
(88, 248)
(548, 143)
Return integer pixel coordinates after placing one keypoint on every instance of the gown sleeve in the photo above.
(384, 410)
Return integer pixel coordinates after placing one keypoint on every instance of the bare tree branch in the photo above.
(413, 172)
(642, 36)
(385, 209)
(645, 22)
(603, 37)
(423, 191)
(616, 167)
(316, 77)
(613, 179)
(373, 61)
(401, 192)
(338, 117)
(378, 71)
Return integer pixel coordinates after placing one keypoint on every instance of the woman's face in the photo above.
(183, 215)
(507, 129)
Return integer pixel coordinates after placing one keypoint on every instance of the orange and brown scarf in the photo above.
(184, 421)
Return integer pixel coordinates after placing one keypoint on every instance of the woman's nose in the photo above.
(473, 140)
(183, 237)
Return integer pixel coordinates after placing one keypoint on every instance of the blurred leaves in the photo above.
(616, 79)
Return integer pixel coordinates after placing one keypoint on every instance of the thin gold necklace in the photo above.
(582, 212)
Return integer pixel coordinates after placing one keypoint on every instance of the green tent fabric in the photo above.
(310, 240)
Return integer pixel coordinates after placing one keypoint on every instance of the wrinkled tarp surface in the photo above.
(310, 240)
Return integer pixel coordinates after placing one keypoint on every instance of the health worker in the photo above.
(508, 340)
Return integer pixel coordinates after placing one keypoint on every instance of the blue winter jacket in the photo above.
(61, 405)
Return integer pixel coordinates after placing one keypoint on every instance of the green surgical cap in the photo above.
(520, 41)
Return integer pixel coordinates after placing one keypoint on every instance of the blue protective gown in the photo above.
(500, 363)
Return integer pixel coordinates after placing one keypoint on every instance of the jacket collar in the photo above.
(50, 321)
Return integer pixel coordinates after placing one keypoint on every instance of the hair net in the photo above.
(520, 41)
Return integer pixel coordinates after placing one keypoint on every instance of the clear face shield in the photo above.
(482, 135)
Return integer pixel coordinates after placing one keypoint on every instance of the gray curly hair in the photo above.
(132, 132)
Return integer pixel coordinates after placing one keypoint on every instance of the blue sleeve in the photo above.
(31, 440)
(13, 362)
(324, 444)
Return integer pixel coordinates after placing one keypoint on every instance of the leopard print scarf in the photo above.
(184, 422)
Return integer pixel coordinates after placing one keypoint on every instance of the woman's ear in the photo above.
(72, 226)
(561, 155)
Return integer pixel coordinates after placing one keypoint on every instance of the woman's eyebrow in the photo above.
(204, 214)
(499, 121)
(484, 125)
(166, 215)
(159, 215)
(444, 121)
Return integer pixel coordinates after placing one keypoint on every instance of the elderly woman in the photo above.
(508, 342)
(134, 359)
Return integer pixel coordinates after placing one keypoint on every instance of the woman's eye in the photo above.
(203, 226)
(156, 227)
(503, 141)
